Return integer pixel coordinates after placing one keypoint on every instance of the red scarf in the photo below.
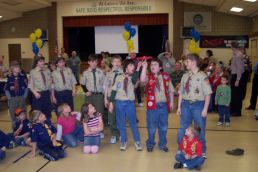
(150, 90)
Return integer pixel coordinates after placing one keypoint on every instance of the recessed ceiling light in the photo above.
(1, 17)
(236, 9)
(251, 0)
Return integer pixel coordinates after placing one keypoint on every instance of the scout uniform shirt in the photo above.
(19, 83)
(195, 86)
(94, 85)
(156, 91)
(110, 79)
(63, 79)
(40, 80)
(120, 91)
(40, 134)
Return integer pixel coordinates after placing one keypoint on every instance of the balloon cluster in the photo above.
(193, 46)
(37, 43)
(128, 34)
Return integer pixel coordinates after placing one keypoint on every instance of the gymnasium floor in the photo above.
(243, 133)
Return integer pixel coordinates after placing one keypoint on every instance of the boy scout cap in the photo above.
(18, 111)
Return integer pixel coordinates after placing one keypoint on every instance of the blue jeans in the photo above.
(212, 103)
(2, 154)
(77, 135)
(126, 108)
(224, 111)
(191, 163)
(157, 118)
(191, 111)
(91, 141)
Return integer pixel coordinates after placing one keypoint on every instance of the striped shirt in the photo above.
(94, 122)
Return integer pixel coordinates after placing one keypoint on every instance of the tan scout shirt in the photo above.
(199, 86)
(70, 80)
(88, 80)
(160, 95)
(109, 80)
(36, 82)
(119, 88)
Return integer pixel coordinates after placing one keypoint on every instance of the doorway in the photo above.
(14, 51)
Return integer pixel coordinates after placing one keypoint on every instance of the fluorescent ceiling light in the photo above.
(251, 0)
(236, 9)
(1, 17)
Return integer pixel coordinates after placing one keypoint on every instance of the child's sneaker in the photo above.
(178, 165)
(185, 165)
(138, 146)
(227, 124)
(140, 105)
(204, 155)
(219, 123)
(112, 140)
(123, 146)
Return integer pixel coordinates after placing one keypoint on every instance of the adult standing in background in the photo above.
(208, 60)
(253, 99)
(176, 76)
(74, 63)
(168, 61)
(64, 54)
(247, 70)
(237, 81)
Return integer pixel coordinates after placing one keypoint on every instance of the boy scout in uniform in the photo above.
(159, 95)
(64, 84)
(92, 84)
(123, 95)
(194, 98)
(109, 82)
(16, 90)
(40, 82)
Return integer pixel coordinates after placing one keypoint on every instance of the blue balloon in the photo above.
(35, 48)
(196, 36)
(127, 26)
(132, 32)
(192, 32)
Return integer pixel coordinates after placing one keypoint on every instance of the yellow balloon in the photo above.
(126, 35)
(191, 49)
(39, 43)
(32, 37)
(130, 43)
(38, 32)
(198, 50)
(192, 42)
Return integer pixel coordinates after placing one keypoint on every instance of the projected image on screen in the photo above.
(109, 38)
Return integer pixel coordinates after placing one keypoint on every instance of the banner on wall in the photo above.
(223, 41)
(201, 21)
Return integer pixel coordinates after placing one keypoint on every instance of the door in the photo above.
(14, 52)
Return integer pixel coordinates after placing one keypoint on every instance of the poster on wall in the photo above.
(223, 41)
(201, 21)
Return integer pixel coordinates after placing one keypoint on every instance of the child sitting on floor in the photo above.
(68, 126)
(21, 131)
(93, 125)
(43, 136)
(190, 154)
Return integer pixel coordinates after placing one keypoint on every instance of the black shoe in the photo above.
(250, 108)
(165, 149)
(178, 165)
(235, 152)
(198, 168)
(150, 149)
